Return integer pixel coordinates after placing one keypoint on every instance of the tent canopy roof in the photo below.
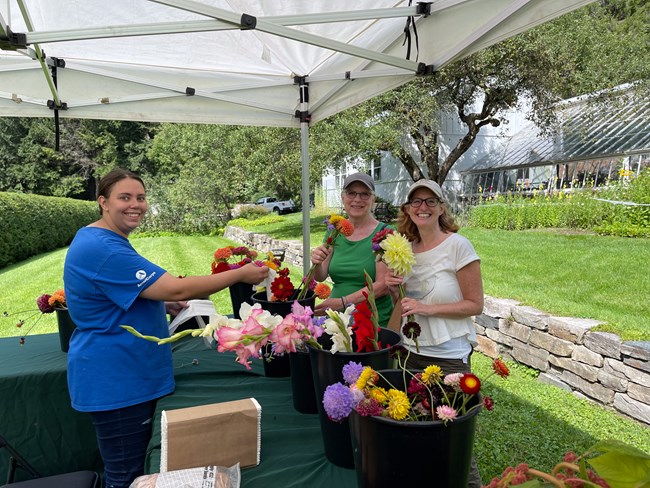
(235, 61)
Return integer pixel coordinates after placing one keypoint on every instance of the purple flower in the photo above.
(337, 401)
(43, 303)
(351, 372)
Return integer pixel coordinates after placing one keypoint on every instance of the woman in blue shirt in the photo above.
(111, 373)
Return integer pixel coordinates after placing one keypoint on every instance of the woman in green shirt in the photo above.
(346, 261)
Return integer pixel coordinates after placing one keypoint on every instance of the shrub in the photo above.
(608, 210)
(252, 212)
(34, 224)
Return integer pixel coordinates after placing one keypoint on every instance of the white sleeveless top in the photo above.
(433, 280)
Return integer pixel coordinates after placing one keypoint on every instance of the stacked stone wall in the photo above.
(598, 366)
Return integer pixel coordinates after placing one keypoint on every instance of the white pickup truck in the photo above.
(277, 206)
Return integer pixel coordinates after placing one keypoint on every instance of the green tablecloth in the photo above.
(35, 412)
(37, 419)
(292, 449)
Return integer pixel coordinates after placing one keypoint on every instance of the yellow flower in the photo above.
(398, 404)
(365, 375)
(431, 374)
(399, 255)
(334, 219)
(380, 395)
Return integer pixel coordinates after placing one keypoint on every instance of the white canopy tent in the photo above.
(249, 62)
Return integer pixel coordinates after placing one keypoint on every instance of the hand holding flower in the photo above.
(252, 273)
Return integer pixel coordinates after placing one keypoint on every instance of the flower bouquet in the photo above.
(336, 225)
(45, 304)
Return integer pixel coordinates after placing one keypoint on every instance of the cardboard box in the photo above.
(219, 434)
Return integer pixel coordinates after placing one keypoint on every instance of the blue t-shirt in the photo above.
(108, 367)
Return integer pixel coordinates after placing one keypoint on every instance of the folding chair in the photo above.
(78, 479)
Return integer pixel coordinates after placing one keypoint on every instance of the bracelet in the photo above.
(343, 302)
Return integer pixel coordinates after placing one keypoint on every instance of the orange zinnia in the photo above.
(322, 291)
(345, 227)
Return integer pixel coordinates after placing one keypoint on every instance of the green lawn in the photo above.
(578, 275)
(531, 422)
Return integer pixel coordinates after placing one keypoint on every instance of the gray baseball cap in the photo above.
(361, 178)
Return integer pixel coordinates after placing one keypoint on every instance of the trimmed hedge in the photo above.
(34, 224)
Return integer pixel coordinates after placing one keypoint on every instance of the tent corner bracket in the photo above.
(423, 8)
(13, 40)
(303, 115)
(247, 22)
(425, 69)
(52, 106)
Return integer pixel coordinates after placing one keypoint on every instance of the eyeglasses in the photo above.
(431, 202)
(364, 195)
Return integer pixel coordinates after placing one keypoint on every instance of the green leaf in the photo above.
(623, 470)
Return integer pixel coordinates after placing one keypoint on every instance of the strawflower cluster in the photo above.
(46, 303)
(429, 395)
(608, 464)
(336, 225)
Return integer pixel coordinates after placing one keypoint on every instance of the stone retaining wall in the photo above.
(597, 366)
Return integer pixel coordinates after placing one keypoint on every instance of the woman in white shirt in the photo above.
(444, 289)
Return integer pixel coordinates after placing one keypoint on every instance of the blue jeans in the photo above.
(123, 435)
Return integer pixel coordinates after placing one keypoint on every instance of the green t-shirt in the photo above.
(346, 270)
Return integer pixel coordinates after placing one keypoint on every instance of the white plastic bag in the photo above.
(206, 477)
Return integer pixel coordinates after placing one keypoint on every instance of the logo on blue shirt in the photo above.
(140, 274)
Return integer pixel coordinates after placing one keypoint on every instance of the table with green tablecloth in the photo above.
(35, 412)
(292, 449)
(38, 420)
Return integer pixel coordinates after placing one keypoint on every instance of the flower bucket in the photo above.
(66, 327)
(302, 383)
(283, 308)
(390, 453)
(277, 366)
(240, 293)
(326, 370)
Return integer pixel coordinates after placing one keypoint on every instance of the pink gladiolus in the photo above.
(228, 338)
(285, 335)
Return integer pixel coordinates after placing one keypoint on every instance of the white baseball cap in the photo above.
(430, 184)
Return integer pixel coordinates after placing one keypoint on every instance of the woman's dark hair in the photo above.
(107, 183)
(406, 226)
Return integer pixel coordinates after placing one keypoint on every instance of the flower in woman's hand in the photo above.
(398, 253)
(377, 239)
(322, 291)
(336, 225)
(222, 256)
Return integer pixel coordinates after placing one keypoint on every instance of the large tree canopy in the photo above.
(593, 49)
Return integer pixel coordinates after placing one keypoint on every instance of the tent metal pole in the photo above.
(303, 113)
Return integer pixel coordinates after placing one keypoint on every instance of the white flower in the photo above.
(337, 325)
